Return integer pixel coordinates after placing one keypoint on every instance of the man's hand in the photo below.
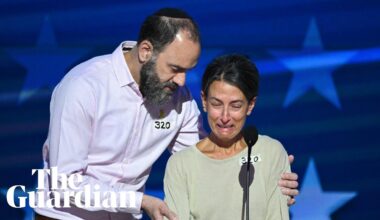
(288, 184)
(156, 208)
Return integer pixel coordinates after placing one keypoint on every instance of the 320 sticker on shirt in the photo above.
(161, 124)
(254, 159)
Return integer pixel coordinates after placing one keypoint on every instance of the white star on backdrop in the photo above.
(312, 68)
(313, 203)
(46, 63)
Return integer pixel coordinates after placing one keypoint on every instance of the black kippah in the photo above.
(172, 13)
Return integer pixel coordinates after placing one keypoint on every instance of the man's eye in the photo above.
(178, 70)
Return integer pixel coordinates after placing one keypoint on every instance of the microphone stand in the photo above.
(250, 135)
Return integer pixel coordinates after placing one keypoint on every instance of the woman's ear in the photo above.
(204, 101)
(251, 105)
(145, 51)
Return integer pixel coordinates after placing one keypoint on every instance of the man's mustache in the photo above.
(171, 85)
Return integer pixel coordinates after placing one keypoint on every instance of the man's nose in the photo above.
(180, 79)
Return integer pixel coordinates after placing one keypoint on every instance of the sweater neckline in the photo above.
(236, 156)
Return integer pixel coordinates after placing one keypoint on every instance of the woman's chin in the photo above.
(225, 137)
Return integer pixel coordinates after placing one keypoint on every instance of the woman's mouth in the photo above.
(224, 128)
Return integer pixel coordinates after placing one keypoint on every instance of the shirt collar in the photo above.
(123, 74)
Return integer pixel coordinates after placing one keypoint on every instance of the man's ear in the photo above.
(145, 50)
(251, 105)
(203, 97)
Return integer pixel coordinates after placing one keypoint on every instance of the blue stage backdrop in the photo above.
(320, 83)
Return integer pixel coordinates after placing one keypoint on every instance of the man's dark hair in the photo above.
(161, 28)
(236, 70)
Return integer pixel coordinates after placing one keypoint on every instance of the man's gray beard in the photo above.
(151, 87)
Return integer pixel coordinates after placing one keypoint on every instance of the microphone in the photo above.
(250, 136)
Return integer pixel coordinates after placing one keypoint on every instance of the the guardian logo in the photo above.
(64, 191)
